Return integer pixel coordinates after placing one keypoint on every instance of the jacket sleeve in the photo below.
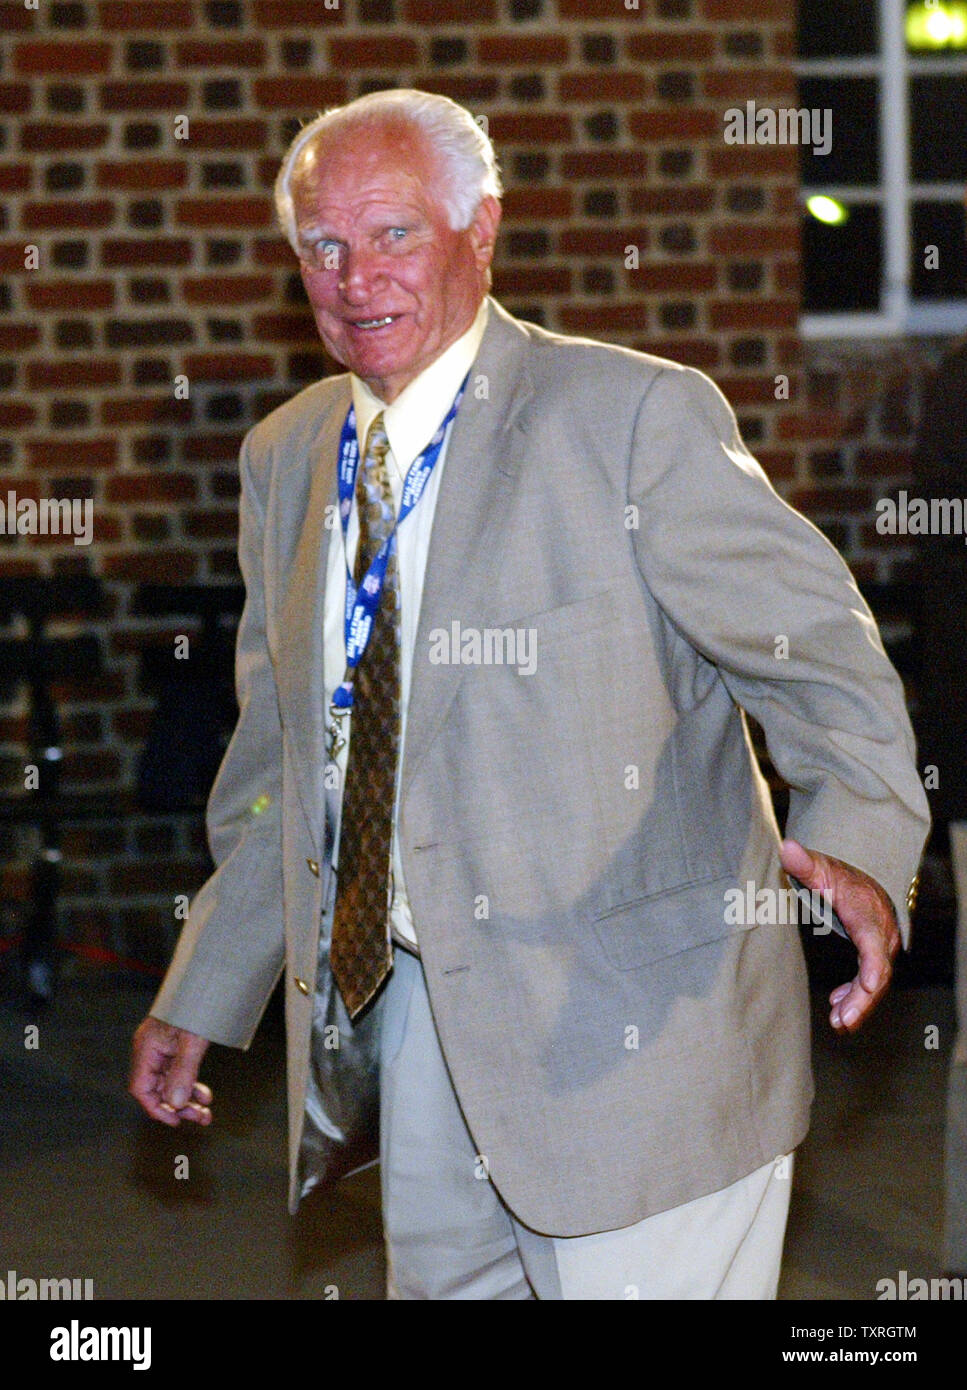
(231, 949)
(760, 592)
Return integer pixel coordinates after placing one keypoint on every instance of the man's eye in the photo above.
(397, 233)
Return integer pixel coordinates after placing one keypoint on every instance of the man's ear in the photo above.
(483, 230)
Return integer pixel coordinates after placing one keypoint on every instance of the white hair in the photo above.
(469, 164)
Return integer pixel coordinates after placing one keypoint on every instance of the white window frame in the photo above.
(900, 315)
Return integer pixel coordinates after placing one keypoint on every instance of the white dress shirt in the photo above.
(411, 421)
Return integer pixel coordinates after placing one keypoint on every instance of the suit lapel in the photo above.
(305, 491)
(469, 531)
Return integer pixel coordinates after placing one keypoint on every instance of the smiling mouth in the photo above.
(369, 324)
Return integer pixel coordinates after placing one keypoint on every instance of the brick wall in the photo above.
(158, 256)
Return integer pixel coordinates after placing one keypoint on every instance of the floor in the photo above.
(90, 1188)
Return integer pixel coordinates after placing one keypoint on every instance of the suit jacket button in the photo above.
(313, 867)
(301, 985)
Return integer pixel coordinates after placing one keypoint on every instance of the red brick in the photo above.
(296, 92)
(15, 415)
(748, 390)
(734, 85)
(15, 97)
(542, 128)
(137, 174)
(883, 463)
(788, 276)
(15, 17)
(523, 50)
(734, 239)
(692, 352)
(687, 124)
(224, 212)
(450, 11)
(778, 463)
(220, 53)
(235, 366)
(146, 14)
(18, 337)
(296, 14)
(604, 86)
(291, 327)
(604, 164)
(150, 96)
(599, 9)
(72, 453)
(275, 252)
(538, 202)
(146, 410)
(15, 178)
(387, 54)
(604, 318)
(534, 280)
(758, 314)
(79, 58)
(65, 295)
(831, 499)
(815, 425)
(670, 201)
(84, 371)
(747, 9)
(602, 241)
(12, 258)
(465, 88)
(663, 278)
(228, 135)
(151, 487)
(155, 567)
(671, 46)
(50, 137)
(210, 522)
(37, 217)
(135, 252)
(226, 289)
(753, 161)
(211, 448)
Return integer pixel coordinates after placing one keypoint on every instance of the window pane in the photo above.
(854, 158)
(936, 28)
(837, 28)
(938, 128)
(842, 265)
(939, 273)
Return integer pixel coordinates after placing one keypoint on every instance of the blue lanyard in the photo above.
(362, 603)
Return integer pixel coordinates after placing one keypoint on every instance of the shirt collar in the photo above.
(419, 409)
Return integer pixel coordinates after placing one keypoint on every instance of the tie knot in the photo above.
(377, 440)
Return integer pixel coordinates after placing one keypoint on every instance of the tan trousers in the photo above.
(955, 1157)
(449, 1235)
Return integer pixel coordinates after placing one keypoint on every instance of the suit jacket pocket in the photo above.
(659, 925)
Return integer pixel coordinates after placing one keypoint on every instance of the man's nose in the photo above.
(357, 274)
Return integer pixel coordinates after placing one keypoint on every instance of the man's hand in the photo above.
(164, 1073)
(868, 917)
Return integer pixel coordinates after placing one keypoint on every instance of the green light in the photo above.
(828, 210)
(936, 25)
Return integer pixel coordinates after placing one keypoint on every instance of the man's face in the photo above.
(396, 285)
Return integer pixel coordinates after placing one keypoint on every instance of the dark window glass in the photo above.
(842, 266)
(940, 274)
(854, 157)
(837, 28)
(938, 128)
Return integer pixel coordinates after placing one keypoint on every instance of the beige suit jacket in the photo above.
(619, 1045)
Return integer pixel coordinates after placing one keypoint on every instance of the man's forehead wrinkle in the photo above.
(363, 210)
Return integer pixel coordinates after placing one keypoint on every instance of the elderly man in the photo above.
(491, 802)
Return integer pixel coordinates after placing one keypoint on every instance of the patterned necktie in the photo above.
(360, 954)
